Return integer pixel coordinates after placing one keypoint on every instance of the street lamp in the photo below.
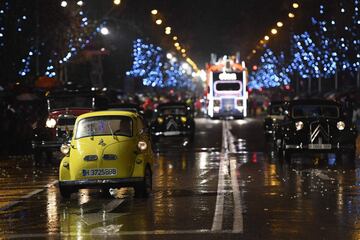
(64, 4)
(80, 3)
(104, 31)
(168, 30)
(279, 24)
(117, 2)
(175, 38)
(291, 15)
(295, 5)
(266, 38)
(154, 12)
(158, 21)
(274, 31)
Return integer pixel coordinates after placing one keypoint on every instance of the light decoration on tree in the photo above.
(156, 70)
(147, 64)
(304, 59)
(4, 8)
(271, 73)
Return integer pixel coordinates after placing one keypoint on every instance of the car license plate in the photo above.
(171, 133)
(319, 146)
(99, 172)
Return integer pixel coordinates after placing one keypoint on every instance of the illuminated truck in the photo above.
(226, 88)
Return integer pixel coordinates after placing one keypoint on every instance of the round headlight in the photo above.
(299, 125)
(340, 125)
(142, 145)
(50, 123)
(65, 149)
(160, 120)
(183, 119)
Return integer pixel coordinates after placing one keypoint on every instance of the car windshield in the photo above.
(308, 111)
(276, 110)
(173, 111)
(70, 102)
(104, 125)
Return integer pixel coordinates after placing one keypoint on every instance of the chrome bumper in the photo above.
(114, 182)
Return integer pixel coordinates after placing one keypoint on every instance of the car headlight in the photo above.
(65, 149)
(183, 119)
(142, 145)
(340, 125)
(160, 120)
(50, 123)
(299, 125)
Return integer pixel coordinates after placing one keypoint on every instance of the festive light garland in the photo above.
(155, 70)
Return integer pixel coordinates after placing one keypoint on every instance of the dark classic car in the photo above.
(315, 126)
(275, 114)
(172, 119)
(63, 109)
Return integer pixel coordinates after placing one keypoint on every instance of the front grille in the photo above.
(319, 132)
(227, 104)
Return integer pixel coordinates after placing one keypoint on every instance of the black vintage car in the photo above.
(315, 126)
(172, 119)
(275, 114)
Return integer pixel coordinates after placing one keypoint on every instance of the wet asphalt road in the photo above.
(225, 185)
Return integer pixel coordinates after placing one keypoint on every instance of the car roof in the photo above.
(109, 113)
(314, 101)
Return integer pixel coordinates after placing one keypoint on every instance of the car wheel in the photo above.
(143, 189)
(65, 192)
(155, 139)
(346, 158)
(287, 156)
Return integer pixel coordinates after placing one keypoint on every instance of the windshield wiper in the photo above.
(112, 133)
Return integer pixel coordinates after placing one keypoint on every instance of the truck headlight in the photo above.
(299, 125)
(65, 149)
(340, 125)
(50, 123)
(142, 145)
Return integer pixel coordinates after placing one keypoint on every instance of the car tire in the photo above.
(65, 192)
(155, 139)
(143, 189)
(346, 157)
(287, 156)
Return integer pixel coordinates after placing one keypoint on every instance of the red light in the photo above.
(287, 87)
(255, 67)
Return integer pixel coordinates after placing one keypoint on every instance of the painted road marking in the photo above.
(219, 208)
(238, 225)
(27, 196)
(228, 147)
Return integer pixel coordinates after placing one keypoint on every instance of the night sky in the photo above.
(222, 27)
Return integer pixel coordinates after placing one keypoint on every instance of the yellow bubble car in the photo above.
(108, 149)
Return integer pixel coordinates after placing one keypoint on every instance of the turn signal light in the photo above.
(142, 145)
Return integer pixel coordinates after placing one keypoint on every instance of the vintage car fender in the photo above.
(64, 169)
